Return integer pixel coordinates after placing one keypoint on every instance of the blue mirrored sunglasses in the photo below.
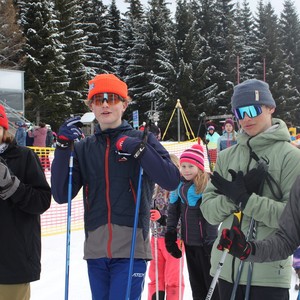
(252, 111)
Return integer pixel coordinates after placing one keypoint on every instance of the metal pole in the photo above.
(216, 277)
(156, 260)
(70, 186)
(134, 231)
(238, 69)
(178, 106)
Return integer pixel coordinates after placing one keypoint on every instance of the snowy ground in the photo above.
(52, 282)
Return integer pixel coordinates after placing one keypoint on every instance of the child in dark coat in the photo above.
(197, 234)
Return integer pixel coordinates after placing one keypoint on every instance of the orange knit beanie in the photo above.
(107, 83)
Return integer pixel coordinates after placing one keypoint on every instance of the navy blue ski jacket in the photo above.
(110, 178)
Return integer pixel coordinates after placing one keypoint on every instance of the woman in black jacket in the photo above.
(24, 195)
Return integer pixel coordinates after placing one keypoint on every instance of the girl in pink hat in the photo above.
(197, 234)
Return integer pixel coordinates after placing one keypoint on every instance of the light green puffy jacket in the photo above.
(284, 166)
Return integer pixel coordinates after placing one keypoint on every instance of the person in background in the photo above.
(49, 144)
(152, 127)
(24, 196)
(49, 136)
(169, 268)
(39, 134)
(254, 176)
(20, 135)
(29, 136)
(197, 234)
(212, 137)
(228, 138)
(107, 167)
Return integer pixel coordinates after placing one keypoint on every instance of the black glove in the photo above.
(171, 245)
(234, 241)
(253, 179)
(69, 131)
(235, 190)
(135, 146)
(8, 183)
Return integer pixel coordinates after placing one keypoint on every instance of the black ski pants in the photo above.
(198, 264)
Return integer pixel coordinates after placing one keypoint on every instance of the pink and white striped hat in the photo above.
(194, 156)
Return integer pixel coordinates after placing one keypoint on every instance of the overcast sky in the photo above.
(277, 4)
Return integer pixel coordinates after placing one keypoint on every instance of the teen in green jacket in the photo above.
(264, 141)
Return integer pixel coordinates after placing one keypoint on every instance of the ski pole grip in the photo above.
(237, 218)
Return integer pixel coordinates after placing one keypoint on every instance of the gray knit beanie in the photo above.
(252, 92)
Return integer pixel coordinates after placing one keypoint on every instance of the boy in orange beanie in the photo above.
(107, 166)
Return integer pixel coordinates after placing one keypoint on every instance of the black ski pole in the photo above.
(240, 269)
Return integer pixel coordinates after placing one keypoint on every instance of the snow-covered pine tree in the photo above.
(278, 73)
(142, 72)
(11, 39)
(289, 34)
(73, 41)
(245, 38)
(95, 28)
(114, 26)
(46, 79)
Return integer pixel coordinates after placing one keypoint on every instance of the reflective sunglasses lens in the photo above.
(252, 111)
(110, 98)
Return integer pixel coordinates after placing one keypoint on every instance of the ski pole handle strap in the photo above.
(139, 150)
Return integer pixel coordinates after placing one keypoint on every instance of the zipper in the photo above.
(133, 191)
(185, 213)
(107, 198)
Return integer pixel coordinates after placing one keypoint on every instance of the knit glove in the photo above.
(69, 131)
(171, 245)
(234, 241)
(8, 183)
(235, 190)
